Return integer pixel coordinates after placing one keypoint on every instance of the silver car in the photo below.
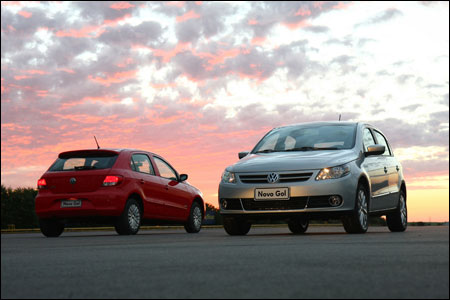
(308, 171)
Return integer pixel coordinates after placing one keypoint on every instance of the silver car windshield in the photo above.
(309, 138)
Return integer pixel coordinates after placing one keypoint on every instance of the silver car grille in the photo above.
(284, 177)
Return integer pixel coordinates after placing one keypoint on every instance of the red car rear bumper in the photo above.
(110, 202)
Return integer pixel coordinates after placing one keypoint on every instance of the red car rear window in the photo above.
(74, 161)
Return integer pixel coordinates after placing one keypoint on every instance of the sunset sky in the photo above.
(197, 82)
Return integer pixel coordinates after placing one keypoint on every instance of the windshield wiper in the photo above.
(267, 151)
(311, 149)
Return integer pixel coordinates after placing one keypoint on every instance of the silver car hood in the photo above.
(293, 161)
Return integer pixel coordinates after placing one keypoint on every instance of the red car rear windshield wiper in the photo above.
(84, 167)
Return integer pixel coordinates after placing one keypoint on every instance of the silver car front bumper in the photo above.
(310, 196)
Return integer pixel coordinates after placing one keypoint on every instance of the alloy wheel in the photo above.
(403, 211)
(134, 217)
(197, 217)
(362, 209)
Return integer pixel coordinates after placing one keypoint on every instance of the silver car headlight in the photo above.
(333, 173)
(228, 177)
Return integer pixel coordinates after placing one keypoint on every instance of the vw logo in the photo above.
(273, 178)
(73, 180)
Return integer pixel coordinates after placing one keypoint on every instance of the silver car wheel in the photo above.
(197, 218)
(403, 211)
(134, 217)
(362, 209)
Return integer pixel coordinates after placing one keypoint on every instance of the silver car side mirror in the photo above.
(375, 150)
(243, 154)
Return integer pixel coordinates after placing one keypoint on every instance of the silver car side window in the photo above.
(382, 141)
(368, 139)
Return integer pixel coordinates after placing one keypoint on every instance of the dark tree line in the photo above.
(18, 207)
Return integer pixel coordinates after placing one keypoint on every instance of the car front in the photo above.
(295, 170)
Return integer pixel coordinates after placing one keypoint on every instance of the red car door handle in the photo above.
(142, 181)
(167, 187)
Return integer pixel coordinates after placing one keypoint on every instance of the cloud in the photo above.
(147, 33)
(402, 79)
(317, 29)
(445, 100)
(428, 133)
(344, 63)
(411, 108)
(190, 26)
(382, 17)
(264, 16)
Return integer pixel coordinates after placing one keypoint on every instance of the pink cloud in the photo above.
(85, 32)
(12, 3)
(42, 93)
(342, 5)
(296, 25)
(167, 55)
(110, 98)
(117, 20)
(67, 70)
(187, 16)
(12, 29)
(114, 78)
(121, 5)
(220, 56)
(303, 12)
(125, 62)
(25, 14)
(40, 72)
(175, 3)
(92, 31)
(258, 41)
(21, 77)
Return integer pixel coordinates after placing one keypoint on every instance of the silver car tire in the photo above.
(358, 221)
(236, 225)
(397, 221)
(298, 225)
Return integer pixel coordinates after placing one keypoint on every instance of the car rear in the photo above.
(82, 183)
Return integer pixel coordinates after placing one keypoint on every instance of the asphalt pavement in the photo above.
(267, 263)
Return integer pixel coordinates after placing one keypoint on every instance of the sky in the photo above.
(198, 82)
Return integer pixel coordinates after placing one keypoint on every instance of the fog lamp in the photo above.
(224, 203)
(335, 200)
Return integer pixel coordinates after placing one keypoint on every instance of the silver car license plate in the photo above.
(70, 203)
(272, 194)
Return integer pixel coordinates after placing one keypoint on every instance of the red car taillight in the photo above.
(112, 180)
(42, 183)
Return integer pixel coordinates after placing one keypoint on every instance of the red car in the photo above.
(127, 185)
